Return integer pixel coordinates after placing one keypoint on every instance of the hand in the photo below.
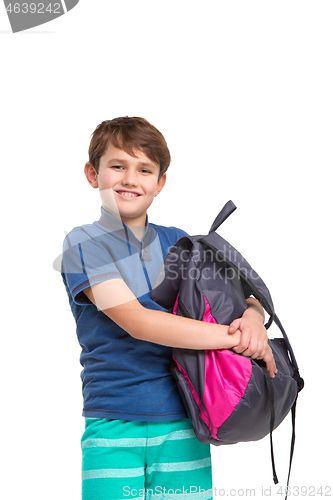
(254, 337)
(234, 338)
(270, 361)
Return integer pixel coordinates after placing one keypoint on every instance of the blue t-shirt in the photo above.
(123, 377)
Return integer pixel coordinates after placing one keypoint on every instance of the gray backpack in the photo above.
(228, 397)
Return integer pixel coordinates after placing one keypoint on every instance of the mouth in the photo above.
(128, 194)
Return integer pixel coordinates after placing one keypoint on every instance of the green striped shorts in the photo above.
(130, 459)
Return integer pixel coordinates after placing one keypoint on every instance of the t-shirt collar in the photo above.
(116, 226)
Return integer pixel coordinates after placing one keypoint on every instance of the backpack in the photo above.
(229, 398)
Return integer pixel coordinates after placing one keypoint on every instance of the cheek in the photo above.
(106, 181)
(150, 188)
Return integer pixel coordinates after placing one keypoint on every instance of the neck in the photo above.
(138, 231)
(136, 224)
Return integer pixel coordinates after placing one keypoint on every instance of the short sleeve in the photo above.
(85, 262)
(179, 233)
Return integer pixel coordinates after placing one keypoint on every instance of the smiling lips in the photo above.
(128, 194)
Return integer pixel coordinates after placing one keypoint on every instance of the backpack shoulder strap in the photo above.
(227, 210)
(167, 284)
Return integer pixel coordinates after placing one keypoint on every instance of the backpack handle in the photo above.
(227, 210)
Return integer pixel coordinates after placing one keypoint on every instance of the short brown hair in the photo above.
(130, 135)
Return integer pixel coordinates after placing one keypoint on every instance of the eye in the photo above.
(117, 167)
(145, 171)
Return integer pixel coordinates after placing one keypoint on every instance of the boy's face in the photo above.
(127, 184)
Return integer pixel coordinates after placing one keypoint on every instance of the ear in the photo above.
(160, 184)
(91, 175)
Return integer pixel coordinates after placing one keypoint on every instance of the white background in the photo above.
(242, 92)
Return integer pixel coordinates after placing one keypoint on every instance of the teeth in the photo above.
(127, 194)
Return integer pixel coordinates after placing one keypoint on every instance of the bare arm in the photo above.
(256, 306)
(116, 300)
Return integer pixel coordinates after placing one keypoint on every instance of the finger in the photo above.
(244, 341)
(270, 362)
(262, 354)
(260, 351)
(234, 326)
(269, 366)
(273, 371)
(255, 355)
(238, 348)
(252, 350)
(261, 346)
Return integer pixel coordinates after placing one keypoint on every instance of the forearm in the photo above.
(170, 330)
(254, 305)
(176, 331)
(115, 299)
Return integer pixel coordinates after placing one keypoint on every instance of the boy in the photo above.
(138, 437)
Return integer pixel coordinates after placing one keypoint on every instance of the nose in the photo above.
(130, 178)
